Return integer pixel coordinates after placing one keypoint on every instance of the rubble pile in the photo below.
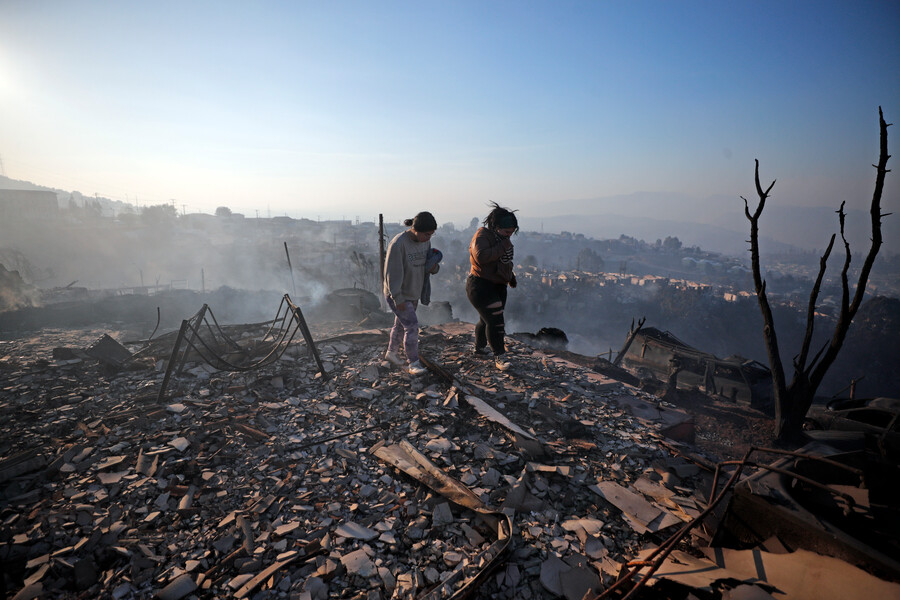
(285, 482)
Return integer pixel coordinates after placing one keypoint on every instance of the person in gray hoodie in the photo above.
(404, 280)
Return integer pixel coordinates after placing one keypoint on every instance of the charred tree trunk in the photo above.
(792, 400)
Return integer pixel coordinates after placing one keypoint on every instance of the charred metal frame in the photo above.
(289, 319)
(655, 560)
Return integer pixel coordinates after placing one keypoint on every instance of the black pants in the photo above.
(490, 328)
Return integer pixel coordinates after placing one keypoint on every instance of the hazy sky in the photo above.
(330, 109)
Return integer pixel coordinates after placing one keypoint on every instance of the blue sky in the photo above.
(331, 109)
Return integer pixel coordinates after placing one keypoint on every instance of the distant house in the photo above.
(651, 283)
(17, 205)
(735, 296)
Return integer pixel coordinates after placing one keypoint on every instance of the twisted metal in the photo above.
(288, 321)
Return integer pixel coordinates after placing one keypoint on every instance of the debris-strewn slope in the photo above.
(268, 484)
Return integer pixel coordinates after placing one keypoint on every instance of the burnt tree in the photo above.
(792, 400)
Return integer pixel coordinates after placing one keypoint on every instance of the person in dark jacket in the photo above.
(491, 257)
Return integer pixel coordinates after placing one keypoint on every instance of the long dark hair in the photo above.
(501, 218)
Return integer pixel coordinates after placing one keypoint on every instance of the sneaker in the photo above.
(502, 363)
(482, 352)
(393, 358)
(417, 368)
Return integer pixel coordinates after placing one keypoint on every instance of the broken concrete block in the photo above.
(179, 588)
(552, 570)
(359, 563)
(354, 530)
(181, 444)
(442, 515)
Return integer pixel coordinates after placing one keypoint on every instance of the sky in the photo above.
(348, 109)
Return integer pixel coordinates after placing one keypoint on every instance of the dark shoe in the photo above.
(482, 353)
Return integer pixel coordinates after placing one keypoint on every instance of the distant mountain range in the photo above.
(715, 223)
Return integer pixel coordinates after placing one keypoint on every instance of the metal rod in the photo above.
(290, 268)
(664, 550)
(198, 319)
(859, 473)
(341, 435)
(310, 344)
(381, 258)
(172, 359)
(158, 315)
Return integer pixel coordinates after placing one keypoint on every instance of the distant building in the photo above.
(659, 353)
(735, 296)
(17, 205)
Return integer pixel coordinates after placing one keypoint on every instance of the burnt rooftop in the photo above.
(327, 473)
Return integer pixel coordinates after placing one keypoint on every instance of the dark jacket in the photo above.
(491, 256)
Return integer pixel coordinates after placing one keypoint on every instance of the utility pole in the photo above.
(381, 256)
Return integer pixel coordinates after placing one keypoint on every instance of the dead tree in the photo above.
(792, 400)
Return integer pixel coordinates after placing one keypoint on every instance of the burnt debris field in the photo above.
(287, 459)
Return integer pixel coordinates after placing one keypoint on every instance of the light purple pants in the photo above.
(405, 330)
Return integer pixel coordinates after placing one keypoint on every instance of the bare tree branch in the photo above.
(792, 401)
(771, 337)
(800, 363)
(848, 310)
